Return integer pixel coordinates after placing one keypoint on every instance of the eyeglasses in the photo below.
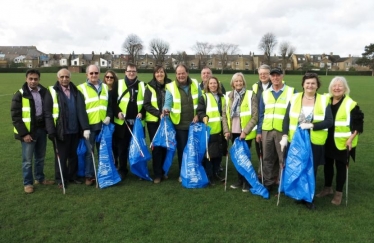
(131, 71)
(33, 79)
(109, 77)
(92, 73)
(64, 76)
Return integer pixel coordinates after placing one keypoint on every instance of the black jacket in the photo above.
(16, 111)
(59, 128)
(160, 93)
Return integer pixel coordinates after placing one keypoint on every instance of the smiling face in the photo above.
(93, 74)
(310, 86)
(238, 83)
(206, 74)
(264, 75)
(213, 85)
(182, 75)
(338, 89)
(160, 75)
(64, 77)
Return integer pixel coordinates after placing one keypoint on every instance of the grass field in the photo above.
(139, 211)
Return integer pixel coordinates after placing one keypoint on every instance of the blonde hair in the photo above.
(347, 90)
(235, 76)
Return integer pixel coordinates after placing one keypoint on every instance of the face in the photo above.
(310, 85)
(109, 79)
(213, 85)
(238, 83)
(64, 78)
(131, 72)
(264, 75)
(160, 75)
(93, 74)
(32, 80)
(338, 89)
(206, 74)
(276, 79)
(182, 75)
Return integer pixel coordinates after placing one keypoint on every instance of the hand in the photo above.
(284, 142)
(242, 136)
(165, 112)
(258, 138)
(306, 126)
(27, 138)
(195, 119)
(139, 115)
(227, 136)
(106, 120)
(86, 134)
(205, 120)
(121, 116)
(52, 137)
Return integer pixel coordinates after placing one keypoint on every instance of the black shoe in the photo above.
(246, 187)
(301, 202)
(218, 178)
(310, 206)
(75, 181)
(238, 184)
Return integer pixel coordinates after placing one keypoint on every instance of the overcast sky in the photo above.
(320, 26)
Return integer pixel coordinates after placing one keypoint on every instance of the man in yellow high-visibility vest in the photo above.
(99, 112)
(181, 100)
(28, 119)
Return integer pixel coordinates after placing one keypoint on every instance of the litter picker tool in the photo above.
(59, 166)
(135, 140)
(93, 160)
(346, 186)
(261, 162)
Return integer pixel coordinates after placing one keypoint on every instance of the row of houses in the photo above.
(30, 57)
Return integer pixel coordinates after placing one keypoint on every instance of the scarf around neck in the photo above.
(238, 96)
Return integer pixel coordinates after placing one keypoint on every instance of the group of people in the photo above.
(268, 113)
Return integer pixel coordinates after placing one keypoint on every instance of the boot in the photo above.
(326, 191)
(337, 198)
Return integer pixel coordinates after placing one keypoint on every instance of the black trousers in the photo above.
(158, 153)
(341, 171)
(181, 136)
(67, 152)
(123, 145)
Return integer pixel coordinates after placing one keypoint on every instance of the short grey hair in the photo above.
(344, 82)
(98, 68)
(63, 69)
(264, 66)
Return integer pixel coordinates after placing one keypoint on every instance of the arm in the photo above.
(201, 108)
(168, 101)
(327, 123)
(147, 105)
(16, 113)
(254, 119)
(225, 126)
(286, 120)
(82, 114)
(48, 109)
(109, 109)
(261, 110)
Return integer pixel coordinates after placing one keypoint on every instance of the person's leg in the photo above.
(157, 152)
(39, 154)
(328, 170)
(89, 170)
(269, 156)
(341, 171)
(239, 183)
(123, 152)
(72, 166)
(63, 151)
(27, 154)
(181, 137)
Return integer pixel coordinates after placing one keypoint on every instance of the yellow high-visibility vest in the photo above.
(26, 113)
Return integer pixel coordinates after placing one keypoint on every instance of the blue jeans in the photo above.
(89, 168)
(37, 149)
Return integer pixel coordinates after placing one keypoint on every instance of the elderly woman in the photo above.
(242, 117)
(154, 99)
(348, 123)
(211, 110)
(311, 111)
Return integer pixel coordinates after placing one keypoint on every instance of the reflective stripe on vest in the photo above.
(275, 109)
(212, 112)
(96, 105)
(123, 103)
(245, 113)
(342, 124)
(319, 112)
(26, 112)
(148, 116)
(56, 109)
(176, 109)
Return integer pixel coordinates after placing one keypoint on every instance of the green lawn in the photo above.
(139, 211)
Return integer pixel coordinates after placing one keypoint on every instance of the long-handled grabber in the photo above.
(227, 162)
(93, 161)
(59, 166)
(346, 187)
(261, 162)
(132, 135)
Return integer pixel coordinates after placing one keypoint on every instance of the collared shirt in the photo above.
(38, 101)
(66, 91)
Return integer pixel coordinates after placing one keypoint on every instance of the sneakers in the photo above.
(157, 181)
(28, 189)
(238, 184)
(326, 191)
(219, 178)
(337, 200)
(180, 179)
(45, 182)
(90, 181)
(246, 187)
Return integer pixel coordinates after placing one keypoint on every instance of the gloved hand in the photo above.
(306, 126)
(106, 120)
(284, 142)
(52, 136)
(205, 120)
(86, 134)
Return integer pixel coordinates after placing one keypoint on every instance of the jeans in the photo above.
(89, 168)
(37, 149)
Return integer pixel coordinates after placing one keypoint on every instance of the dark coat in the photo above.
(160, 93)
(16, 111)
(59, 128)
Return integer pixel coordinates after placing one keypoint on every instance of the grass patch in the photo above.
(139, 211)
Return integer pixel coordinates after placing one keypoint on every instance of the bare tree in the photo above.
(267, 44)
(286, 50)
(203, 50)
(159, 49)
(224, 52)
(133, 45)
(180, 58)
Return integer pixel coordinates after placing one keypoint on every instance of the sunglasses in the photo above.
(92, 73)
(64, 77)
(33, 79)
(109, 77)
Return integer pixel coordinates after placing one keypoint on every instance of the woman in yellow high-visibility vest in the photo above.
(309, 110)
(211, 110)
(348, 123)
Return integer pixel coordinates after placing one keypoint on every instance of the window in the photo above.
(298, 58)
(63, 61)
(210, 63)
(102, 63)
(142, 63)
(151, 63)
(246, 63)
(75, 63)
(319, 58)
(321, 65)
(237, 63)
(288, 65)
